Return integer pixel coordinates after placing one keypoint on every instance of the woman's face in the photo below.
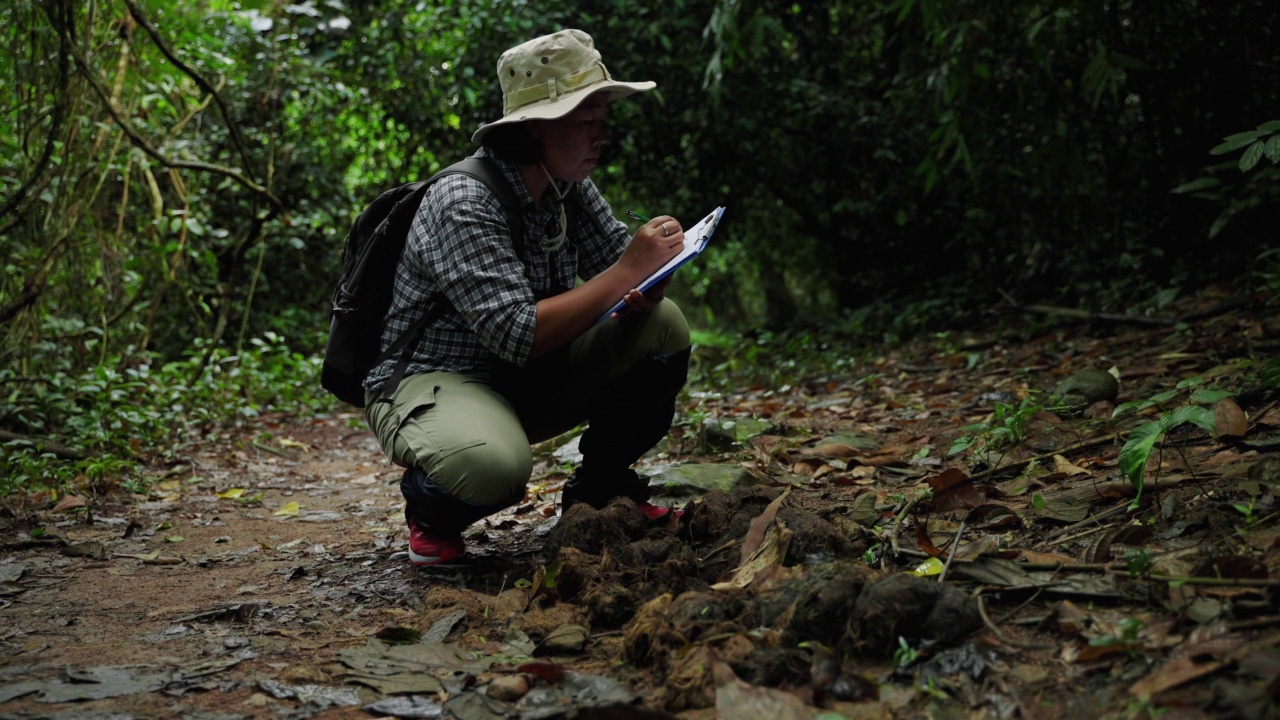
(571, 144)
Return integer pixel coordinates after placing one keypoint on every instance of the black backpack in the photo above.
(363, 295)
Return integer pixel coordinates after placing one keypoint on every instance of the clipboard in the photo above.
(695, 241)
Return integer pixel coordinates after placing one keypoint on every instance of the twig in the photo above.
(273, 451)
(233, 129)
(954, 546)
(1072, 538)
(1255, 623)
(1121, 569)
(982, 610)
(61, 451)
(1091, 442)
(897, 523)
(1220, 582)
(142, 144)
(1053, 537)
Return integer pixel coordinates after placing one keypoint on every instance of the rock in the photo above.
(564, 640)
(1085, 388)
(681, 481)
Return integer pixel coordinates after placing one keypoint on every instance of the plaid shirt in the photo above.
(460, 252)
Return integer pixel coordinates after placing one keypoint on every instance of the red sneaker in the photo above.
(656, 512)
(428, 549)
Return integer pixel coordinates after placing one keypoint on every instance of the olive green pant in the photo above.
(471, 432)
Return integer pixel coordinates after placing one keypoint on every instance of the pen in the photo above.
(637, 216)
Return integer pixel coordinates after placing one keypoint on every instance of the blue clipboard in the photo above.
(695, 241)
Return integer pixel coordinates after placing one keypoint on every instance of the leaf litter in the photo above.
(952, 538)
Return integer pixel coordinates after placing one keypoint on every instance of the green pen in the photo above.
(637, 216)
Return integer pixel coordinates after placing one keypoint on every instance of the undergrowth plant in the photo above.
(92, 429)
(1144, 438)
(1006, 427)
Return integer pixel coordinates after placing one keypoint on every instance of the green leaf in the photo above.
(1134, 454)
(1271, 373)
(1270, 126)
(1203, 183)
(1237, 141)
(1251, 157)
(1193, 414)
(1219, 224)
(1206, 395)
(1272, 149)
(960, 445)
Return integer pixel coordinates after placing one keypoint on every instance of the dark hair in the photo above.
(514, 143)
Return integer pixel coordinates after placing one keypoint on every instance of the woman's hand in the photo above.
(654, 243)
(644, 301)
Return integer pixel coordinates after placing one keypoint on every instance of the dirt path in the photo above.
(257, 577)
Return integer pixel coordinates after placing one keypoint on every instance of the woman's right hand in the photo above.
(654, 243)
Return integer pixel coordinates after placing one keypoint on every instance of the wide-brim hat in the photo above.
(547, 77)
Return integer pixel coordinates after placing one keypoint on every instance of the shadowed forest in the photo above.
(996, 289)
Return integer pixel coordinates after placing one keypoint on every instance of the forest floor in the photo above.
(265, 576)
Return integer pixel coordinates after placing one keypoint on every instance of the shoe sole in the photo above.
(421, 560)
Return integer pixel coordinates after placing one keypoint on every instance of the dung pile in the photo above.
(688, 593)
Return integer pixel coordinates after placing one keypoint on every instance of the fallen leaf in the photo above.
(1171, 675)
(743, 701)
(70, 502)
(932, 566)
(231, 493)
(991, 516)
(952, 489)
(759, 525)
(770, 554)
(289, 510)
(1228, 420)
(1063, 465)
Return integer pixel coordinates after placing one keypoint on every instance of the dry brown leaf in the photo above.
(1173, 674)
(990, 516)
(1228, 420)
(70, 502)
(1063, 465)
(761, 523)
(953, 489)
(1032, 556)
(743, 701)
(923, 541)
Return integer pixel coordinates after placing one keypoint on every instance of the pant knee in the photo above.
(666, 331)
(486, 476)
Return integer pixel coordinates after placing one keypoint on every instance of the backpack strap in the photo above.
(486, 172)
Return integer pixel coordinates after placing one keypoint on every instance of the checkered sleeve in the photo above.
(461, 242)
(602, 237)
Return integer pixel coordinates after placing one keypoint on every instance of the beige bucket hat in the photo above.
(547, 77)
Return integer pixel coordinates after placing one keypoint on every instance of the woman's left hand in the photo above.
(645, 301)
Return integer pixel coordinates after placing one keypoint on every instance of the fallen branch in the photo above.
(62, 451)
(995, 630)
(1019, 464)
(1079, 314)
(1105, 514)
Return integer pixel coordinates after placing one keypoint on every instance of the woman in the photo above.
(516, 354)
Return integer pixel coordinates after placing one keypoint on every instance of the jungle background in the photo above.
(177, 179)
(985, 354)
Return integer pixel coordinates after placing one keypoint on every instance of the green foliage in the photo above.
(1006, 427)
(1143, 438)
(1270, 376)
(1237, 198)
(904, 655)
(1127, 638)
(124, 410)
